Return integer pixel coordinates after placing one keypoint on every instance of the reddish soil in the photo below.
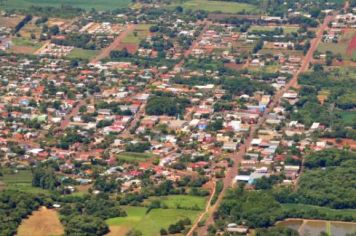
(352, 46)
(131, 47)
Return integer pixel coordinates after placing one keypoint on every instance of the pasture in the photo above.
(84, 4)
(149, 224)
(22, 181)
(181, 201)
(135, 36)
(216, 6)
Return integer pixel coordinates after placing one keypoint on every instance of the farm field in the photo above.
(9, 21)
(79, 53)
(181, 201)
(149, 224)
(21, 181)
(84, 4)
(134, 156)
(216, 6)
(41, 223)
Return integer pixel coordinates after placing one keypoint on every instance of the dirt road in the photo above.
(114, 45)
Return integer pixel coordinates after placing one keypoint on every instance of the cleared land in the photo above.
(135, 36)
(149, 224)
(216, 6)
(286, 29)
(24, 45)
(84, 4)
(43, 222)
(340, 47)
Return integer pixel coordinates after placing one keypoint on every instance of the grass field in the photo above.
(215, 6)
(340, 47)
(324, 210)
(149, 224)
(21, 181)
(24, 45)
(84, 4)
(181, 201)
(271, 28)
(41, 223)
(349, 117)
(79, 53)
(140, 32)
(134, 156)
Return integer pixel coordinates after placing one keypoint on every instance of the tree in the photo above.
(86, 225)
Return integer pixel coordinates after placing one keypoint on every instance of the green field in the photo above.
(340, 47)
(323, 210)
(349, 117)
(25, 42)
(286, 30)
(181, 201)
(78, 53)
(21, 181)
(215, 6)
(84, 4)
(140, 32)
(151, 223)
(134, 156)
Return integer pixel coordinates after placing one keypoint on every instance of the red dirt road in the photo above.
(114, 45)
(232, 172)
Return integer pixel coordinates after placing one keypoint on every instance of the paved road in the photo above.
(232, 172)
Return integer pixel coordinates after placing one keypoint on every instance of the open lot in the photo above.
(10, 22)
(78, 53)
(216, 6)
(41, 223)
(84, 4)
(149, 224)
(286, 29)
(24, 45)
(340, 47)
(134, 156)
(135, 36)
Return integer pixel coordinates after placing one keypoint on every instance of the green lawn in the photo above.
(181, 201)
(21, 181)
(134, 156)
(151, 223)
(78, 53)
(84, 4)
(214, 6)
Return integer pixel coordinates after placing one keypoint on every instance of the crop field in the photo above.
(41, 223)
(84, 4)
(21, 181)
(149, 224)
(216, 6)
(181, 201)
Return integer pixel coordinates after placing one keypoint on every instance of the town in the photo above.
(161, 118)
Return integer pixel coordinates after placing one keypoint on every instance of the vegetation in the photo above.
(166, 104)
